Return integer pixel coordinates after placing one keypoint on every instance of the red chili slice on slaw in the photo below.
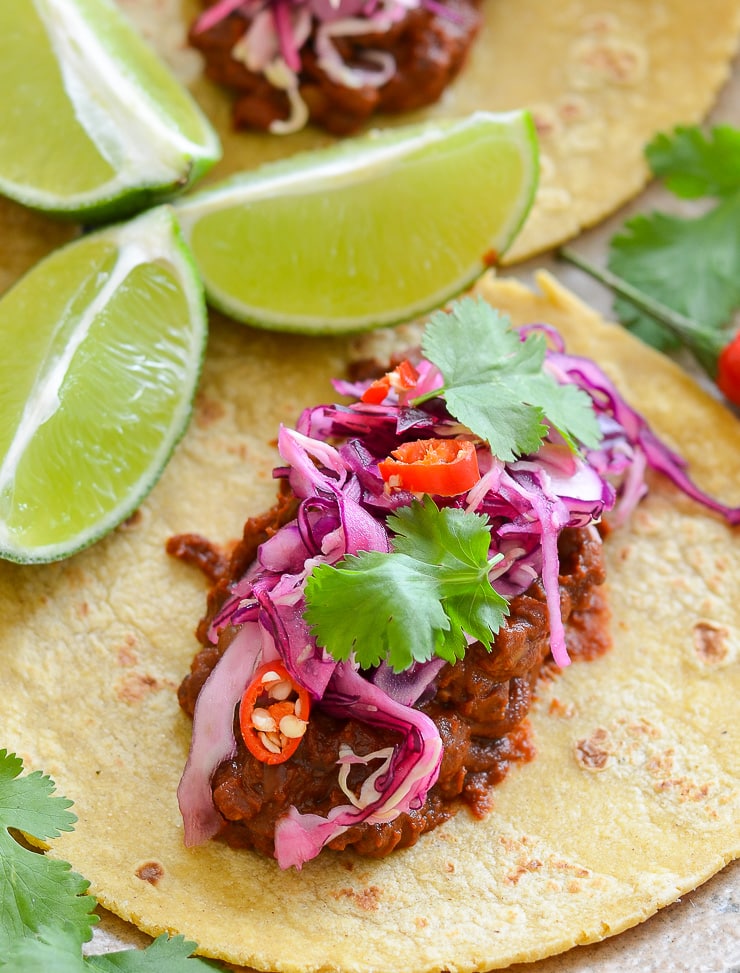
(273, 714)
(442, 467)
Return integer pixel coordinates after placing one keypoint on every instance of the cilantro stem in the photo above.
(704, 343)
(427, 396)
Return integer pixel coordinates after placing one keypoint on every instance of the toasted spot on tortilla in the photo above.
(593, 753)
(208, 410)
(127, 657)
(150, 871)
(565, 711)
(711, 642)
(606, 55)
(137, 686)
(573, 108)
(367, 899)
(132, 522)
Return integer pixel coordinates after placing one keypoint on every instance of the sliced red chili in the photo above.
(402, 378)
(273, 714)
(445, 467)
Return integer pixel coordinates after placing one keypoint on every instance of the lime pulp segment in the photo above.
(103, 343)
(91, 122)
(368, 232)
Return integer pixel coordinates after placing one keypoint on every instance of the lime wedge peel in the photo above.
(103, 344)
(97, 128)
(368, 232)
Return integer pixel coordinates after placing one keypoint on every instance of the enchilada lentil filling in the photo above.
(479, 706)
(428, 45)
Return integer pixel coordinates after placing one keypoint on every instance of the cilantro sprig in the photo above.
(689, 265)
(494, 382)
(45, 913)
(416, 602)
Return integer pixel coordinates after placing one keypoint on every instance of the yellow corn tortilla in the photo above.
(600, 79)
(631, 801)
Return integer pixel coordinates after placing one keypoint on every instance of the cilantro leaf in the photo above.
(494, 382)
(692, 164)
(54, 952)
(456, 543)
(44, 914)
(415, 602)
(35, 890)
(689, 264)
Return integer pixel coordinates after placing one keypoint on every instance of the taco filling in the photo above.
(371, 651)
(332, 62)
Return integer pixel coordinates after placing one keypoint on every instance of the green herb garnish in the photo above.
(495, 384)
(416, 602)
(45, 915)
(689, 264)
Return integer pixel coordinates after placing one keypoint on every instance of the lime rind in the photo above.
(141, 132)
(352, 166)
(151, 243)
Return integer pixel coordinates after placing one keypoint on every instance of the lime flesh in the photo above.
(102, 346)
(92, 125)
(366, 233)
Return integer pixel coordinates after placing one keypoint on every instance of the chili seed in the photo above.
(270, 744)
(292, 727)
(281, 690)
(261, 720)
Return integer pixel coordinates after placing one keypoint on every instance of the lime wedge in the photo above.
(92, 125)
(367, 232)
(102, 347)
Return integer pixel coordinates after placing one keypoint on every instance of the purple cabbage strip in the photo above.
(213, 733)
(587, 375)
(413, 768)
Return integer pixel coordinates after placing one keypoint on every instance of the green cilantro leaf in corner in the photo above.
(53, 952)
(415, 602)
(45, 915)
(35, 890)
(689, 264)
(494, 382)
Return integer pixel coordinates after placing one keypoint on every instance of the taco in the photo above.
(631, 800)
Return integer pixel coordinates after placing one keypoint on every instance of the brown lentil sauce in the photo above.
(429, 51)
(479, 707)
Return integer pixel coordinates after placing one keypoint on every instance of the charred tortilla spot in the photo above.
(593, 753)
(368, 899)
(150, 871)
(208, 411)
(710, 642)
(127, 656)
(137, 686)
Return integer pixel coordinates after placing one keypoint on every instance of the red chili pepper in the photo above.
(270, 698)
(728, 371)
(402, 378)
(445, 467)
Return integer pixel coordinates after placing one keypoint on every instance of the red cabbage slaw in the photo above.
(343, 506)
(276, 31)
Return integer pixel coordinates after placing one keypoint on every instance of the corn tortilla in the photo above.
(632, 798)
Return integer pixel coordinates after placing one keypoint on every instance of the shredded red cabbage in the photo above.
(275, 32)
(331, 462)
